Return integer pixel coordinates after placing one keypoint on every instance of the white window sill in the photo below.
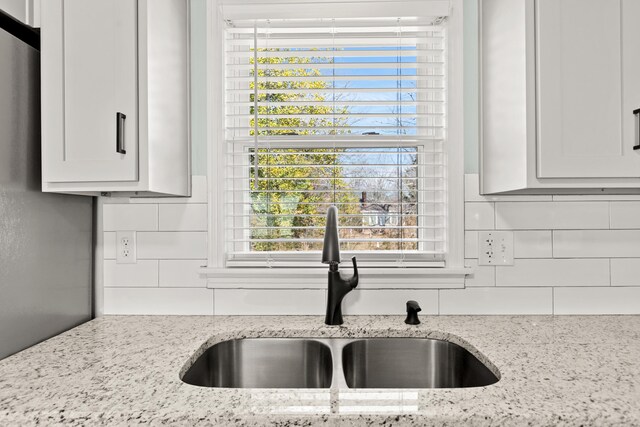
(316, 278)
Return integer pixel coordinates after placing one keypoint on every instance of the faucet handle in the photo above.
(412, 313)
(353, 281)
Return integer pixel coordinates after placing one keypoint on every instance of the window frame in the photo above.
(305, 273)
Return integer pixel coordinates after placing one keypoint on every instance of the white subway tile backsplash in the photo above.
(142, 273)
(625, 272)
(551, 215)
(596, 243)
(269, 301)
(581, 250)
(532, 244)
(554, 272)
(606, 300)
(478, 216)
(483, 275)
(183, 217)
(130, 217)
(625, 214)
(496, 301)
(471, 244)
(182, 273)
(109, 245)
(389, 301)
(172, 245)
(167, 301)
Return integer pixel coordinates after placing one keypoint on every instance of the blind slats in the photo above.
(291, 206)
(339, 112)
(355, 103)
(319, 29)
(337, 90)
(320, 240)
(431, 66)
(342, 227)
(326, 54)
(349, 78)
(346, 216)
(275, 41)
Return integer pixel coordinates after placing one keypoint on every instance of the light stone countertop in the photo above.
(124, 370)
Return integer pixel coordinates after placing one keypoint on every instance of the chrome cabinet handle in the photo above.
(636, 113)
(120, 133)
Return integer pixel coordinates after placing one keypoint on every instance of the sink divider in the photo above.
(336, 345)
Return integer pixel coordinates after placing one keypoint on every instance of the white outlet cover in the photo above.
(495, 248)
(126, 247)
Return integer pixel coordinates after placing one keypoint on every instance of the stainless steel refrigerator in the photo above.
(46, 240)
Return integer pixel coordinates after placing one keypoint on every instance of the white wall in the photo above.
(471, 83)
(199, 84)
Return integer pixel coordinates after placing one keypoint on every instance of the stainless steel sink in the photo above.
(263, 363)
(336, 362)
(412, 363)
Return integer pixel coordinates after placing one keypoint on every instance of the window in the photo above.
(345, 112)
(358, 106)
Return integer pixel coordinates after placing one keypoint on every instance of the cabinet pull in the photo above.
(120, 133)
(636, 113)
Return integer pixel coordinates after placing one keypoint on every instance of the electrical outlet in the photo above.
(126, 247)
(495, 248)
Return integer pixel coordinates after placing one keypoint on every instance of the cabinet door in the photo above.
(95, 66)
(583, 120)
(630, 73)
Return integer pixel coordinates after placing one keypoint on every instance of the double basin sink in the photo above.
(334, 362)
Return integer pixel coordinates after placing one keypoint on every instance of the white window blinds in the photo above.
(345, 112)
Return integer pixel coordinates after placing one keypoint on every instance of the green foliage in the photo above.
(295, 186)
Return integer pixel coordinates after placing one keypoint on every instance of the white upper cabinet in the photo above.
(100, 93)
(115, 91)
(559, 86)
(579, 63)
(630, 52)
